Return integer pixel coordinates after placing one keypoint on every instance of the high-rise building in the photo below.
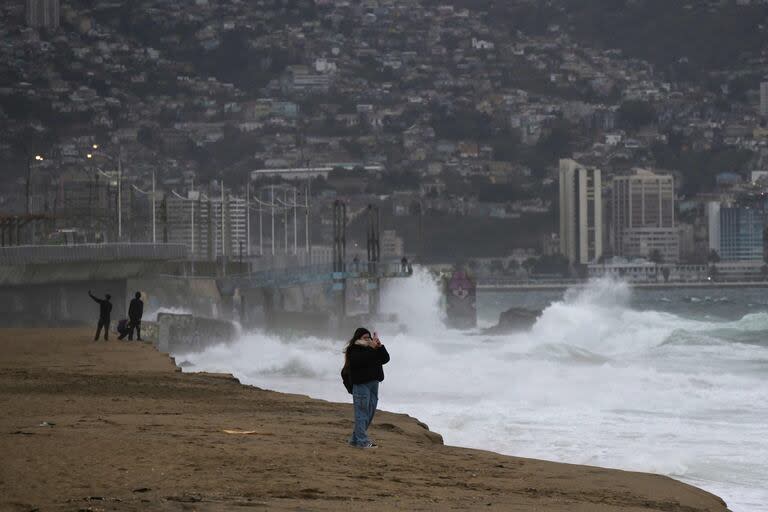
(86, 201)
(581, 212)
(233, 226)
(391, 245)
(735, 232)
(43, 13)
(643, 216)
(687, 234)
(713, 219)
(764, 99)
(196, 222)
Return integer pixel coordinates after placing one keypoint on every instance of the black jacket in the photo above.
(136, 310)
(365, 363)
(105, 307)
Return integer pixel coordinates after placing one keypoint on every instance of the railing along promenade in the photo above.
(52, 254)
(511, 284)
(293, 276)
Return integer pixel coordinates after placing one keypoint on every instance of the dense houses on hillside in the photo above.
(195, 94)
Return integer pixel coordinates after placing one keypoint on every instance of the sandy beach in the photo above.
(115, 426)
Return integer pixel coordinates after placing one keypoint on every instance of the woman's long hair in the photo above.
(359, 333)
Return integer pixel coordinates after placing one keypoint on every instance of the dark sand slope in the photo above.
(131, 433)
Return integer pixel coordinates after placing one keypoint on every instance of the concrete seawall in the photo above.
(177, 333)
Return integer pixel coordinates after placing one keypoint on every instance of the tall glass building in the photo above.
(741, 233)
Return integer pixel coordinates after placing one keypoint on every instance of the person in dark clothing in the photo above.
(122, 328)
(135, 312)
(363, 360)
(105, 310)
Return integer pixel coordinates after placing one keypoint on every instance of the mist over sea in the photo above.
(670, 381)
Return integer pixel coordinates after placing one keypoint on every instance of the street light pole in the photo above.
(28, 158)
(154, 232)
(223, 246)
(272, 207)
(29, 175)
(248, 219)
(91, 155)
(192, 225)
(120, 193)
(152, 193)
(306, 220)
(308, 237)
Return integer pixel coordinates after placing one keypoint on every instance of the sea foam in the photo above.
(594, 381)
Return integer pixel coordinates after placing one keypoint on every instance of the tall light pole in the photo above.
(277, 204)
(192, 224)
(248, 220)
(286, 207)
(306, 221)
(38, 158)
(91, 155)
(154, 232)
(223, 245)
(120, 193)
(273, 220)
(154, 208)
(285, 221)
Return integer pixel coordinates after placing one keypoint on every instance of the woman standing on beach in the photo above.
(363, 360)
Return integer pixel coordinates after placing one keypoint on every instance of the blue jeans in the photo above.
(365, 397)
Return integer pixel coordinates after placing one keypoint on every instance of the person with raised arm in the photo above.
(364, 358)
(105, 310)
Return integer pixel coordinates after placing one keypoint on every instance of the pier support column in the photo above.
(227, 307)
(340, 256)
(374, 258)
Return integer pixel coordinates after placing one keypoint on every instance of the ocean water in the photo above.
(664, 381)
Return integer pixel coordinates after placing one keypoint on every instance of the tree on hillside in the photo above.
(698, 169)
(687, 38)
(558, 143)
(146, 136)
(463, 124)
(635, 114)
(506, 146)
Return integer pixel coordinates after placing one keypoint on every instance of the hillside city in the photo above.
(504, 139)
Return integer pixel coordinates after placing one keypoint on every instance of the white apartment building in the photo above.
(581, 212)
(197, 222)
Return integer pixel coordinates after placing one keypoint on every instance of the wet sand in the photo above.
(115, 426)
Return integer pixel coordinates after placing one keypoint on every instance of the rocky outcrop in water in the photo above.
(514, 319)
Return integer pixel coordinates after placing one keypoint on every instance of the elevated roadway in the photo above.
(48, 284)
